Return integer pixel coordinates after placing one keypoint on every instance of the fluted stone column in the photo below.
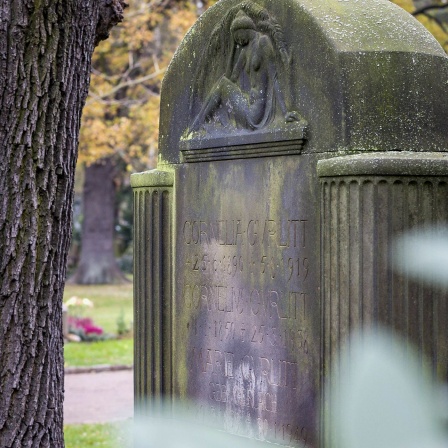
(153, 196)
(367, 201)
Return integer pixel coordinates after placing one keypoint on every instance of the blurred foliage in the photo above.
(382, 398)
(124, 209)
(153, 427)
(431, 263)
(121, 116)
(124, 228)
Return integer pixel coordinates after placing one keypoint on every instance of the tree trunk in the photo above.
(97, 264)
(45, 53)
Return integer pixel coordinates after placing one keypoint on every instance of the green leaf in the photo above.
(382, 399)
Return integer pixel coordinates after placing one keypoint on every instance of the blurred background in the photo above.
(119, 136)
(120, 126)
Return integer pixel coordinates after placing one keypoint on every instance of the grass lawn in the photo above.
(110, 302)
(114, 352)
(110, 435)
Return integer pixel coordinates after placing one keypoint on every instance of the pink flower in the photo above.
(84, 324)
(89, 329)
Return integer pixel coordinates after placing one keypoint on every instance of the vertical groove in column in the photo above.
(368, 235)
(322, 366)
(440, 199)
(427, 291)
(355, 255)
(142, 299)
(156, 267)
(397, 227)
(137, 385)
(166, 334)
(333, 292)
(360, 226)
(405, 296)
(344, 262)
(326, 277)
(441, 303)
(140, 281)
(413, 292)
(390, 241)
(383, 244)
(148, 295)
(325, 310)
(136, 292)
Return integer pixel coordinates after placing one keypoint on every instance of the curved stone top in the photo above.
(359, 75)
(385, 164)
(371, 25)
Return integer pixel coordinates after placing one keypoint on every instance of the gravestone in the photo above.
(297, 138)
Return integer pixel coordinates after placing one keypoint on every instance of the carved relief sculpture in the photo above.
(241, 81)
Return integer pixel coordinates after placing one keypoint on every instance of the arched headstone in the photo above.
(297, 138)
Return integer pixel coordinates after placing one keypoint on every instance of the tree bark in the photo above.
(97, 263)
(45, 53)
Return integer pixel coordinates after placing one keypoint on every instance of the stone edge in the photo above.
(243, 152)
(152, 178)
(97, 369)
(392, 163)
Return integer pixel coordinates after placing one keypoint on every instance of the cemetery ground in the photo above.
(112, 311)
(109, 435)
(112, 308)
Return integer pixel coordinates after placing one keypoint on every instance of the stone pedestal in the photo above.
(367, 202)
(153, 197)
(283, 209)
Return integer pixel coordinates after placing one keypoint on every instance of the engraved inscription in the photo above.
(247, 289)
(226, 331)
(233, 232)
(227, 299)
(233, 264)
(284, 433)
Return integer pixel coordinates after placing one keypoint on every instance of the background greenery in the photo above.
(121, 120)
(86, 354)
(111, 303)
(107, 435)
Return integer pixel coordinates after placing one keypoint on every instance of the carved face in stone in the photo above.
(243, 36)
(242, 28)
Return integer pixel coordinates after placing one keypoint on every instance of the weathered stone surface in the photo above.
(246, 241)
(364, 74)
(367, 201)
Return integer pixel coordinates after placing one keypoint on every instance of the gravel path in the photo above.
(98, 397)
